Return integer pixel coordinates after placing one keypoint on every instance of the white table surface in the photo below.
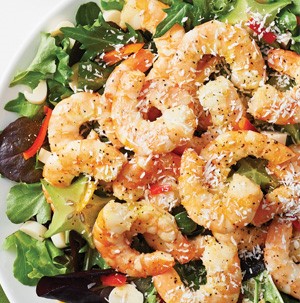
(18, 18)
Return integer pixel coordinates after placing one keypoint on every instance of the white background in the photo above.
(18, 19)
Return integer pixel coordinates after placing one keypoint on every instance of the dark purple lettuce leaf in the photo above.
(17, 137)
(78, 287)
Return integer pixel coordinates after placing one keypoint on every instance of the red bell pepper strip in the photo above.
(115, 56)
(245, 124)
(157, 189)
(113, 280)
(268, 37)
(296, 224)
(37, 144)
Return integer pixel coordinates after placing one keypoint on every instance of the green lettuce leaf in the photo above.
(261, 287)
(25, 201)
(88, 75)
(240, 8)
(255, 170)
(93, 258)
(186, 225)
(294, 132)
(69, 212)
(199, 11)
(193, 273)
(30, 78)
(178, 13)
(296, 44)
(21, 106)
(99, 38)
(50, 60)
(146, 286)
(295, 7)
(286, 21)
(288, 299)
(107, 5)
(57, 91)
(35, 258)
(212, 9)
(63, 71)
(87, 13)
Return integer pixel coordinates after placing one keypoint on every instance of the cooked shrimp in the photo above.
(118, 223)
(132, 180)
(283, 199)
(147, 15)
(164, 193)
(162, 94)
(198, 143)
(221, 212)
(295, 246)
(123, 87)
(183, 252)
(223, 277)
(247, 238)
(221, 100)
(286, 197)
(70, 114)
(71, 153)
(285, 272)
(55, 173)
(286, 62)
(142, 173)
(232, 146)
(176, 125)
(141, 61)
(205, 67)
(208, 199)
(217, 38)
(166, 46)
(272, 105)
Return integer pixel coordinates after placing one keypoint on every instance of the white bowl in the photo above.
(66, 10)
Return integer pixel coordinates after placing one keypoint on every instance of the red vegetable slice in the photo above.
(296, 224)
(115, 56)
(37, 144)
(268, 37)
(245, 124)
(113, 280)
(157, 189)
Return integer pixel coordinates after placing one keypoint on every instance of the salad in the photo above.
(155, 154)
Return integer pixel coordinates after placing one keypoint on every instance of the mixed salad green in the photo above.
(61, 60)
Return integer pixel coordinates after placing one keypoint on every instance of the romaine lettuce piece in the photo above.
(287, 21)
(241, 7)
